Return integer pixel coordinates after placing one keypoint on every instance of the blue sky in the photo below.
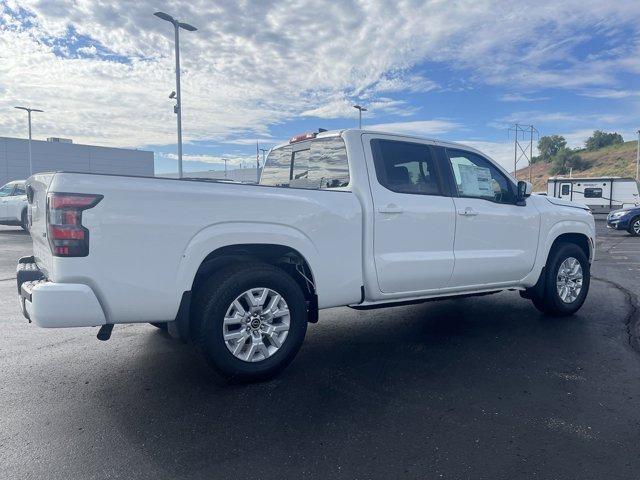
(459, 70)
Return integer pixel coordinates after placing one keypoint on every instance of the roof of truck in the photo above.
(334, 133)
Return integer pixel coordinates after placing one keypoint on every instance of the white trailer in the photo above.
(600, 194)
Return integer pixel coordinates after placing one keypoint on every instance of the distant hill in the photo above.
(615, 161)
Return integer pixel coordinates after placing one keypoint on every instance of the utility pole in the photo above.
(519, 147)
(225, 168)
(29, 110)
(257, 162)
(177, 109)
(360, 110)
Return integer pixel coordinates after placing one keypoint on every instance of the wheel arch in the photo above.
(283, 256)
(579, 239)
(577, 232)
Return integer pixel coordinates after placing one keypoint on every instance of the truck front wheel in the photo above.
(566, 283)
(251, 321)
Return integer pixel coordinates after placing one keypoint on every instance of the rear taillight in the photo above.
(67, 236)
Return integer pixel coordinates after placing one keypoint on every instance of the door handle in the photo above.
(468, 212)
(390, 208)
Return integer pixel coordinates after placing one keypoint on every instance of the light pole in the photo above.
(360, 110)
(29, 110)
(264, 160)
(638, 159)
(178, 107)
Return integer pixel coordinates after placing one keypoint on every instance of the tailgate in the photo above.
(37, 188)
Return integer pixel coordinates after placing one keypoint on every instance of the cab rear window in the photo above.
(319, 164)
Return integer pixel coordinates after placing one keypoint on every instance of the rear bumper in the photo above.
(57, 305)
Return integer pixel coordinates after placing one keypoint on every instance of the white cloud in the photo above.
(216, 160)
(517, 97)
(501, 152)
(541, 119)
(610, 93)
(418, 128)
(256, 64)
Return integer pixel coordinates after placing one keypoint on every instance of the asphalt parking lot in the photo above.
(483, 387)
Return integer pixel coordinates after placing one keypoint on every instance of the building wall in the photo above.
(51, 156)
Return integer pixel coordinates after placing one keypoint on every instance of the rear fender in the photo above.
(221, 235)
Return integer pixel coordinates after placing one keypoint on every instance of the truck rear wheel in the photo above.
(566, 283)
(250, 321)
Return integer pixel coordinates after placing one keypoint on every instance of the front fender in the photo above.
(570, 226)
(224, 234)
(553, 232)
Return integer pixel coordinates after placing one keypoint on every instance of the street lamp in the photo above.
(177, 109)
(638, 159)
(360, 110)
(264, 160)
(29, 110)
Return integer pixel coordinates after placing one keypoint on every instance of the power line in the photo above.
(523, 141)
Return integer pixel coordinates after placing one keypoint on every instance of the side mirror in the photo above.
(524, 191)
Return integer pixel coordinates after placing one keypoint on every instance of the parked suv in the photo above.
(13, 204)
(344, 218)
(625, 219)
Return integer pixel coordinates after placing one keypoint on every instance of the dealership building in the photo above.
(61, 154)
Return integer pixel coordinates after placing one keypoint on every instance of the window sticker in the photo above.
(475, 181)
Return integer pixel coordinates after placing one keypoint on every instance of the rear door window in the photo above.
(406, 167)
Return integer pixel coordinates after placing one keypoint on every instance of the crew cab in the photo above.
(13, 204)
(345, 218)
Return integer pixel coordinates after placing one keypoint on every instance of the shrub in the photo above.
(565, 160)
(601, 139)
(549, 146)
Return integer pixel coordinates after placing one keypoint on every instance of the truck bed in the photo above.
(148, 237)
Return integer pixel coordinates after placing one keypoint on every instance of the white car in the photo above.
(344, 218)
(13, 204)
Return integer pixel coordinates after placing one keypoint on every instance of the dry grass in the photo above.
(616, 161)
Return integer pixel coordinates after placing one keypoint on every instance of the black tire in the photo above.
(213, 299)
(160, 325)
(634, 227)
(24, 221)
(550, 302)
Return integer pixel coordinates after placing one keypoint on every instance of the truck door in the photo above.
(414, 218)
(496, 239)
(565, 191)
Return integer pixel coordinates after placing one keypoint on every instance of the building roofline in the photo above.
(76, 144)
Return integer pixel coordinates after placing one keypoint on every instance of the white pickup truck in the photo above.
(345, 218)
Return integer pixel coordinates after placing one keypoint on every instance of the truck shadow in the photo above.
(365, 375)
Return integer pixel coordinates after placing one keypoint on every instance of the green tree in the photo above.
(601, 139)
(549, 146)
(565, 160)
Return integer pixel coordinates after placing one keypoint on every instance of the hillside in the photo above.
(615, 161)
